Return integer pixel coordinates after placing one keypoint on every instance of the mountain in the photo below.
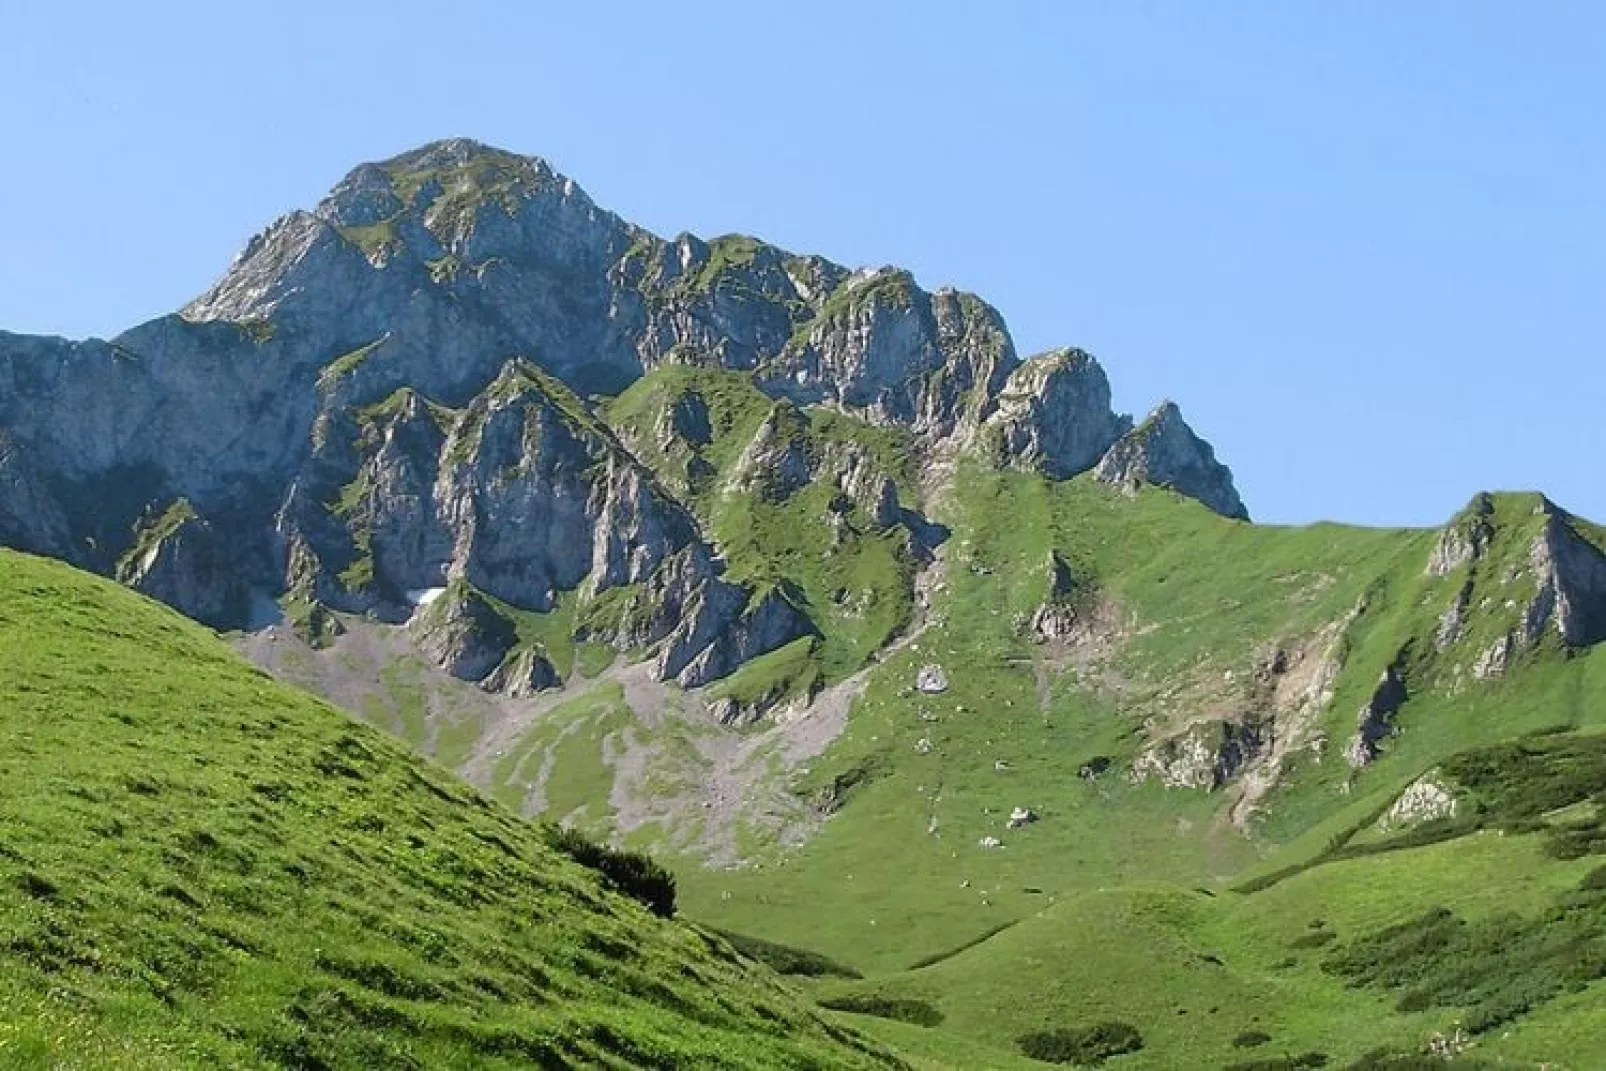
(896, 646)
(392, 394)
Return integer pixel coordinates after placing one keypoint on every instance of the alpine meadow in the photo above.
(480, 632)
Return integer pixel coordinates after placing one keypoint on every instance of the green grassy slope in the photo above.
(1120, 900)
(202, 868)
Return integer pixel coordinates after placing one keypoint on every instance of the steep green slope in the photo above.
(1149, 861)
(1491, 923)
(203, 868)
(1176, 613)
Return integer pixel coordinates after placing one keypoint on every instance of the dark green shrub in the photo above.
(1250, 1039)
(784, 959)
(636, 874)
(1314, 939)
(1089, 1045)
(1282, 1063)
(1383, 1060)
(917, 1012)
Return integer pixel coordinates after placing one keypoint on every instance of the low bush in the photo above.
(904, 1010)
(1088, 1045)
(635, 874)
(1282, 1063)
(784, 959)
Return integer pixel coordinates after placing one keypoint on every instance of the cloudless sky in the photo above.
(1362, 244)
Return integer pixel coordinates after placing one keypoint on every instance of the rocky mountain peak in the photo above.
(406, 386)
(1165, 452)
(1054, 413)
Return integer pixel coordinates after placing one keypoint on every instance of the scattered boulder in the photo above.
(1424, 800)
(931, 679)
(1021, 816)
(1093, 768)
(989, 842)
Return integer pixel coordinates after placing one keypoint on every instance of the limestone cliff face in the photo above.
(1054, 414)
(31, 516)
(1571, 572)
(180, 559)
(394, 391)
(522, 495)
(1523, 569)
(1164, 451)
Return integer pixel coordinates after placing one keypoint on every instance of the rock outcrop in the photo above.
(179, 559)
(1164, 451)
(522, 673)
(1056, 618)
(1205, 755)
(1570, 571)
(1054, 414)
(1464, 539)
(1426, 799)
(464, 633)
(1375, 722)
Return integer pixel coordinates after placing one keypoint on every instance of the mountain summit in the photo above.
(405, 390)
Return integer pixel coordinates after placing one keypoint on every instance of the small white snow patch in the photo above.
(423, 596)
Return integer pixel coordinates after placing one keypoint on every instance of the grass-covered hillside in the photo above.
(1260, 764)
(202, 868)
(1209, 863)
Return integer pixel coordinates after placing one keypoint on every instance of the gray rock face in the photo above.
(1493, 661)
(1164, 451)
(1375, 722)
(776, 463)
(464, 633)
(521, 674)
(1056, 618)
(1054, 414)
(1453, 621)
(1571, 573)
(389, 393)
(1206, 755)
(764, 624)
(884, 349)
(31, 519)
(1465, 539)
(181, 560)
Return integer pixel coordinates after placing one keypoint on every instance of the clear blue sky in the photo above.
(1363, 244)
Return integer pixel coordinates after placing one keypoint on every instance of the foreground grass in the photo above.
(202, 868)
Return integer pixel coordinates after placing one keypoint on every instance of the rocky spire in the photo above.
(1165, 452)
(1054, 414)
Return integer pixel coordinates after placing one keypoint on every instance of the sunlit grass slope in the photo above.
(201, 868)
